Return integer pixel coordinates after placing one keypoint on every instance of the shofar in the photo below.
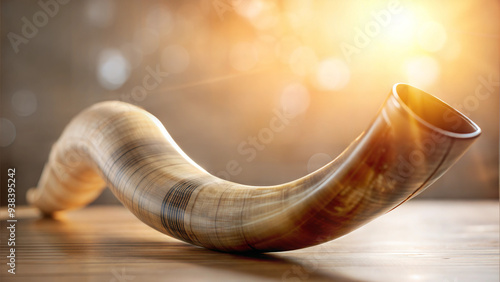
(413, 140)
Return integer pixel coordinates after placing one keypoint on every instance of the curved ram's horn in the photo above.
(413, 140)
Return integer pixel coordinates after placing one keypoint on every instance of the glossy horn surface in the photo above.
(412, 141)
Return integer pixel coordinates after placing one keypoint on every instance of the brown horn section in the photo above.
(412, 141)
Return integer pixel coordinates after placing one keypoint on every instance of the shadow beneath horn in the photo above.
(148, 253)
(260, 266)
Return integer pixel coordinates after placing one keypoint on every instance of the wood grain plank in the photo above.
(419, 241)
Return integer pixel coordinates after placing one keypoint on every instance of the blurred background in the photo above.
(218, 74)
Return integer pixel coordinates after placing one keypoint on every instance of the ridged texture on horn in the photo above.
(413, 140)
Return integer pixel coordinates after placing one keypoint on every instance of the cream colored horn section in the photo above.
(413, 140)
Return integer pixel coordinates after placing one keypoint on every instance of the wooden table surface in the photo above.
(419, 241)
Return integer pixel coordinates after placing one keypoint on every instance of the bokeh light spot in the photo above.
(7, 132)
(248, 8)
(24, 103)
(113, 69)
(100, 13)
(332, 74)
(266, 18)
